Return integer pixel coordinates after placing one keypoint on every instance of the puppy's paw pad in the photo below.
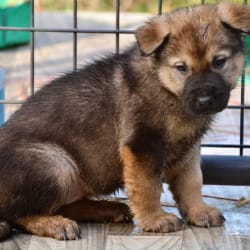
(206, 217)
(163, 223)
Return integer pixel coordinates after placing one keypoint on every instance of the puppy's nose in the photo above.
(205, 100)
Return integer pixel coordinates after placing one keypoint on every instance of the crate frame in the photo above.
(220, 169)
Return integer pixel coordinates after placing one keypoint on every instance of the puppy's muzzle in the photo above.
(205, 94)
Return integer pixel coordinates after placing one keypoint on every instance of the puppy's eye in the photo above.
(181, 67)
(219, 62)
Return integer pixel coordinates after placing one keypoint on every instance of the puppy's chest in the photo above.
(180, 136)
(178, 129)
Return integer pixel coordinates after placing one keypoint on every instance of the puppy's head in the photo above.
(198, 52)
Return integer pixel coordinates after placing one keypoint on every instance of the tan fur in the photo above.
(189, 49)
(185, 182)
(144, 192)
(236, 65)
(179, 128)
(151, 35)
(50, 226)
(236, 15)
(197, 52)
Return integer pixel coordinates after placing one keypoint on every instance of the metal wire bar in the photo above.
(117, 26)
(68, 30)
(243, 106)
(242, 110)
(11, 102)
(160, 7)
(32, 52)
(242, 113)
(242, 102)
(75, 35)
(225, 145)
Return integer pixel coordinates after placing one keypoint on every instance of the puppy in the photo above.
(130, 120)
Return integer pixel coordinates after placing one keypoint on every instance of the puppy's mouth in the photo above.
(205, 98)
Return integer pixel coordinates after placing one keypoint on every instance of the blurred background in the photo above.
(54, 52)
(149, 6)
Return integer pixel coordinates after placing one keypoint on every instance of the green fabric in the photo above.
(16, 16)
(11, 3)
(248, 45)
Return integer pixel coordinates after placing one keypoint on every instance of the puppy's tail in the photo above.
(5, 229)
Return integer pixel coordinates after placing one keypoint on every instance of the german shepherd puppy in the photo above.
(129, 120)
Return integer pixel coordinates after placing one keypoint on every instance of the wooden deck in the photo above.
(235, 235)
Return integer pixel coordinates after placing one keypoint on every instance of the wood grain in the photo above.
(213, 238)
(143, 242)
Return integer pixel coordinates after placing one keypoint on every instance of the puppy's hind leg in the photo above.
(36, 181)
(97, 211)
(62, 228)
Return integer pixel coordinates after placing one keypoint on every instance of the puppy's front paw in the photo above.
(204, 216)
(162, 223)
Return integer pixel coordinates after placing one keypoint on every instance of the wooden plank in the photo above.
(245, 241)
(94, 238)
(22, 241)
(123, 229)
(9, 245)
(196, 238)
(143, 242)
(16, 241)
(234, 235)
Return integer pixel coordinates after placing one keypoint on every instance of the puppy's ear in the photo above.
(235, 15)
(150, 36)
